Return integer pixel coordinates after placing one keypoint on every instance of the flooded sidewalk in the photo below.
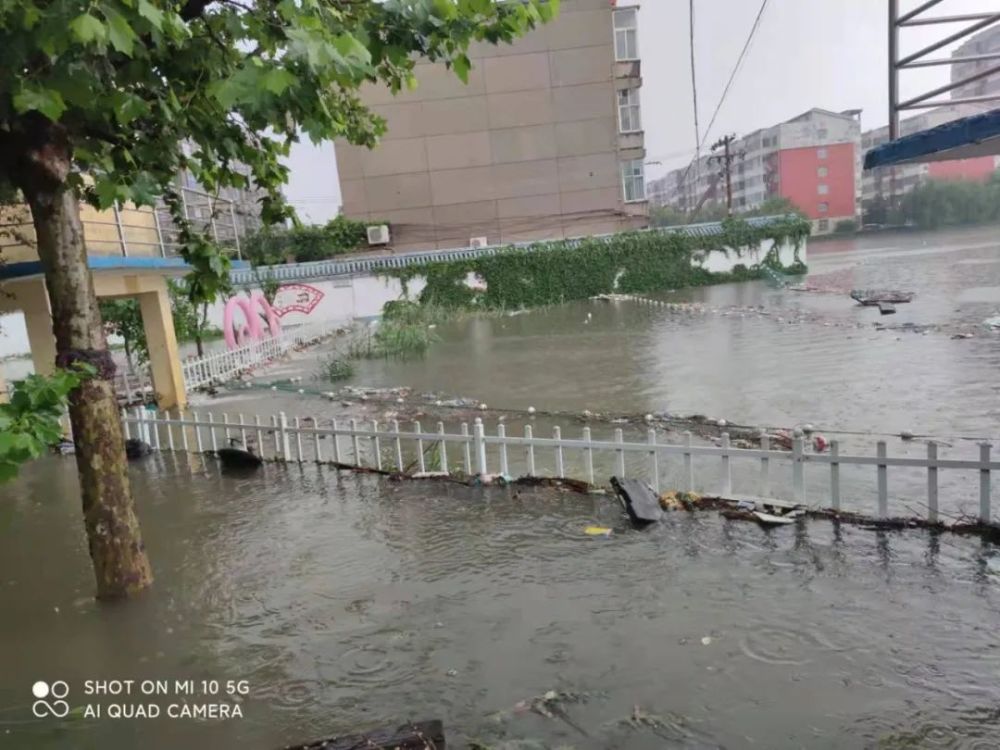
(349, 602)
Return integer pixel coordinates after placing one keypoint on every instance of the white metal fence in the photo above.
(388, 447)
(220, 366)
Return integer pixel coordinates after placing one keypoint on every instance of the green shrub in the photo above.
(337, 368)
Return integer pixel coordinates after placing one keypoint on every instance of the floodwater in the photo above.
(349, 603)
(814, 365)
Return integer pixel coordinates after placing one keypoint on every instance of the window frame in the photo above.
(822, 153)
(824, 207)
(628, 32)
(823, 189)
(635, 107)
(822, 171)
(628, 172)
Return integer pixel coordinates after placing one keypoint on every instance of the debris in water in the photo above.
(597, 531)
(706, 640)
(641, 503)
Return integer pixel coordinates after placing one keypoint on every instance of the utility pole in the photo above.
(726, 159)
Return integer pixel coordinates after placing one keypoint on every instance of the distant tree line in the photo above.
(939, 203)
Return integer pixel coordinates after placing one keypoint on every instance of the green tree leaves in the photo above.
(47, 101)
(86, 29)
(30, 423)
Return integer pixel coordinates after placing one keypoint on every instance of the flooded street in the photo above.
(350, 602)
(806, 361)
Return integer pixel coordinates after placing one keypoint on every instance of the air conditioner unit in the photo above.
(378, 234)
(477, 242)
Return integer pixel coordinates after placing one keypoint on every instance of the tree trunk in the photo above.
(116, 547)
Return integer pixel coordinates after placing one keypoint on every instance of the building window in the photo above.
(823, 225)
(824, 207)
(822, 171)
(633, 181)
(628, 111)
(824, 189)
(626, 35)
(821, 153)
(822, 133)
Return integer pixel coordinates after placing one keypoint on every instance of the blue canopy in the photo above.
(967, 138)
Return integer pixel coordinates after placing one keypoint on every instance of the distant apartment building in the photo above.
(891, 183)
(978, 47)
(545, 140)
(813, 160)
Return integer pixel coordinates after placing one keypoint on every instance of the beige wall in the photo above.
(529, 149)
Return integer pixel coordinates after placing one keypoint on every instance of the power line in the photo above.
(736, 68)
(694, 86)
(729, 83)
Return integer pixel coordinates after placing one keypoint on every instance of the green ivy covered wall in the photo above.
(635, 262)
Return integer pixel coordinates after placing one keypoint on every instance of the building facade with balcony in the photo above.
(545, 141)
(812, 160)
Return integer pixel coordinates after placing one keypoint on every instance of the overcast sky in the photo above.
(806, 53)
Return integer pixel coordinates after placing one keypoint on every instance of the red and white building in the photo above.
(814, 160)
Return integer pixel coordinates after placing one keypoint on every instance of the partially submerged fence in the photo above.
(475, 452)
(220, 366)
(223, 365)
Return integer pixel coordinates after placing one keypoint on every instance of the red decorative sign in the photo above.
(300, 298)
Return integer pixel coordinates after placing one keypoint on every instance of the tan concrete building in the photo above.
(544, 141)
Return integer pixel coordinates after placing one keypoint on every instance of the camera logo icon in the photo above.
(57, 707)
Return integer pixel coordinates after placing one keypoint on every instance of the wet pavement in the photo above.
(348, 602)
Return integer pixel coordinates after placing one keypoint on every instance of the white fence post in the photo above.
(620, 453)
(467, 449)
(298, 440)
(376, 446)
(932, 482)
(356, 443)
(317, 442)
(399, 447)
(560, 467)
(336, 441)
(883, 482)
(502, 435)
(727, 469)
(211, 432)
(444, 448)
(588, 455)
(798, 478)
(984, 483)
(528, 435)
(478, 437)
(835, 475)
(654, 468)
(420, 448)
(688, 462)
(197, 432)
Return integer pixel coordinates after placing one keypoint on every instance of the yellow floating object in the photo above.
(597, 531)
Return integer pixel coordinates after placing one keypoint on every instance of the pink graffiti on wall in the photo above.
(254, 309)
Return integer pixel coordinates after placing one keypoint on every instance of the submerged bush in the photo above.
(337, 368)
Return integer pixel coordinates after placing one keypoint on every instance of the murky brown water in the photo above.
(348, 602)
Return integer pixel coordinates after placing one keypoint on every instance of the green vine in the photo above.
(636, 262)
